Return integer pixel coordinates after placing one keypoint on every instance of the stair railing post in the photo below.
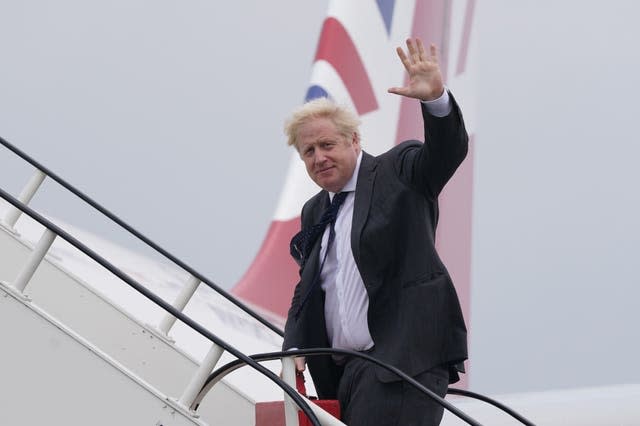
(291, 409)
(34, 260)
(179, 303)
(25, 197)
(201, 375)
(289, 377)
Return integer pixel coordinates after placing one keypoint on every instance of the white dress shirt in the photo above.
(346, 301)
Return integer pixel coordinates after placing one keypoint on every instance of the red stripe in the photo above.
(271, 278)
(454, 228)
(453, 239)
(428, 25)
(337, 48)
(466, 35)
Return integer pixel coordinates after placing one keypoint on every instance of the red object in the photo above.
(331, 406)
(272, 413)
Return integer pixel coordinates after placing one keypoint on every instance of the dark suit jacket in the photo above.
(414, 314)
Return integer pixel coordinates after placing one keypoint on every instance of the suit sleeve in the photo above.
(290, 339)
(428, 167)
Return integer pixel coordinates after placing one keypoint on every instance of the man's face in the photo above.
(330, 157)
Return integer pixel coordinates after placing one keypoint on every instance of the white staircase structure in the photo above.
(57, 377)
(66, 315)
(75, 353)
(71, 349)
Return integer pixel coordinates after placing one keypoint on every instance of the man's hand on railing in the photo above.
(301, 363)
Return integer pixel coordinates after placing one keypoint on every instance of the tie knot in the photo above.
(339, 198)
(331, 213)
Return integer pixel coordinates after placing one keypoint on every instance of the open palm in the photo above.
(425, 79)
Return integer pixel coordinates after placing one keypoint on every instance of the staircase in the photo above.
(70, 301)
(51, 375)
(79, 320)
(76, 334)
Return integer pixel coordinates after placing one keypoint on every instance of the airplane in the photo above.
(344, 76)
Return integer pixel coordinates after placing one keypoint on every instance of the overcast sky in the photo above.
(167, 113)
(170, 115)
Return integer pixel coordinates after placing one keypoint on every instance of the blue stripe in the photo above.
(315, 92)
(386, 10)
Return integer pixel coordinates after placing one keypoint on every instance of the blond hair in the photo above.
(345, 120)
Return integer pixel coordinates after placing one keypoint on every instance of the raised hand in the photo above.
(425, 79)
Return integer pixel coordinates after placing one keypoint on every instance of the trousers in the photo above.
(366, 401)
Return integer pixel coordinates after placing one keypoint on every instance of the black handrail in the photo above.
(141, 237)
(497, 404)
(160, 302)
(221, 372)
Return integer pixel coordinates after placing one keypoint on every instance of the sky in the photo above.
(167, 113)
(170, 115)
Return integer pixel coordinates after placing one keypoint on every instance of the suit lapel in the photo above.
(362, 202)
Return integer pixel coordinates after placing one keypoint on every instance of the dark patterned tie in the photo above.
(302, 243)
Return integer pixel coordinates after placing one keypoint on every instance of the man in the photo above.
(370, 277)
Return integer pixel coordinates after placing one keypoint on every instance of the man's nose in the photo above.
(319, 157)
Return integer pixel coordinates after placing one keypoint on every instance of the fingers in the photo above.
(412, 49)
(402, 91)
(417, 52)
(403, 58)
(434, 52)
(421, 52)
(300, 363)
(425, 78)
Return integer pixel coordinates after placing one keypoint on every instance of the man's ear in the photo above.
(355, 138)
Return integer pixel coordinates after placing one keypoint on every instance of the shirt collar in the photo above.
(351, 184)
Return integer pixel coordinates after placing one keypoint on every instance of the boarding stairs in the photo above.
(78, 349)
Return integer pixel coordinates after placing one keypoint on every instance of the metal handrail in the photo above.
(497, 404)
(141, 237)
(221, 372)
(164, 305)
